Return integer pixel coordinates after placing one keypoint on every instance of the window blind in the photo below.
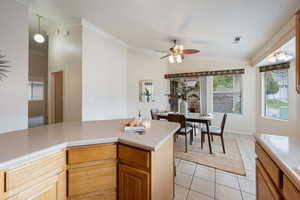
(274, 67)
(205, 73)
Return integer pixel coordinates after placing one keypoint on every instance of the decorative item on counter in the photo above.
(134, 125)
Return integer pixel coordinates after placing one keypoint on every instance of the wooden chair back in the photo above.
(154, 112)
(179, 118)
(223, 123)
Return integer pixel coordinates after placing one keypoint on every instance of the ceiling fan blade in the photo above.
(165, 56)
(189, 51)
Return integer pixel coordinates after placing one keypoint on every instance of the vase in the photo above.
(183, 107)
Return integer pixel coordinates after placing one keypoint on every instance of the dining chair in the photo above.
(214, 130)
(184, 129)
(154, 112)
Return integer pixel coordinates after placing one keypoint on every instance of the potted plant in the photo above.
(147, 94)
(3, 67)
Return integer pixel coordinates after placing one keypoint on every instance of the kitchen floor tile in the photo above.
(197, 196)
(186, 168)
(205, 173)
(183, 179)
(203, 186)
(247, 185)
(181, 193)
(227, 193)
(228, 180)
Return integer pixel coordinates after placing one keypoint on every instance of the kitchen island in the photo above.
(88, 160)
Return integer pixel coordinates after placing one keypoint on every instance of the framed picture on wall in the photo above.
(146, 90)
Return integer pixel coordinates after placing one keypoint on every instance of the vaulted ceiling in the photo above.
(208, 25)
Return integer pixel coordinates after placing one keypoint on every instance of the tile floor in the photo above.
(197, 182)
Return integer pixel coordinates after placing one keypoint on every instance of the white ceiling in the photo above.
(208, 25)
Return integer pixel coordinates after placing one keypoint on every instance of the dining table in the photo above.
(195, 118)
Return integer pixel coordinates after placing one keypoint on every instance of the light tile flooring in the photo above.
(197, 182)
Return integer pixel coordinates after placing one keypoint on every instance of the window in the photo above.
(36, 91)
(275, 94)
(227, 93)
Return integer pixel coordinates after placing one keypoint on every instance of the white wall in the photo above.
(14, 44)
(104, 81)
(244, 123)
(65, 55)
(280, 127)
(145, 65)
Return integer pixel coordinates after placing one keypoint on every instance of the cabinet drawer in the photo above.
(269, 165)
(89, 153)
(33, 172)
(290, 192)
(104, 195)
(135, 157)
(91, 179)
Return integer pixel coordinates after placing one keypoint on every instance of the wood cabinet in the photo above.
(297, 32)
(145, 175)
(271, 181)
(265, 189)
(42, 178)
(134, 184)
(92, 171)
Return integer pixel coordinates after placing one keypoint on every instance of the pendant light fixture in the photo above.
(38, 37)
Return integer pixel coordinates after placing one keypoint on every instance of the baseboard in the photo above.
(239, 132)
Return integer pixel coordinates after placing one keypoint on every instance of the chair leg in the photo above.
(212, 138)
(195, 130)
(223, 146)
(209, 143)
(185, 143)
(191, 138)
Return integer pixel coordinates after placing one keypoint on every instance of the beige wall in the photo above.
(244, 123)
(65, 55)
(279, 127)
(145, 65)
(103, 75)
(14, 44)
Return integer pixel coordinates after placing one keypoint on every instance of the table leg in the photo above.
(208, 138)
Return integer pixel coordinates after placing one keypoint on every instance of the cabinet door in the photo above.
(134, 184)
(265, 189)
(51, 189)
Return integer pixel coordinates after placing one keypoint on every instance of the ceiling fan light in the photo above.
(171, 59)
(39, 38)
(180, 47)
(178, 59)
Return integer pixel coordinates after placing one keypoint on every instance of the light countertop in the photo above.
(19, 146)
(285, 152)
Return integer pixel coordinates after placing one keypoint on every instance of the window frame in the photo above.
(242, 96)
(31, 91)
(263, 96)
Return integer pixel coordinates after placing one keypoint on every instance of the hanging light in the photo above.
(38, 37)
(171, 59)
(280, 56)
(178, 58)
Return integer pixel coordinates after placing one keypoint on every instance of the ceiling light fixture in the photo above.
(280, 56)
(171, 59)
(38, 37)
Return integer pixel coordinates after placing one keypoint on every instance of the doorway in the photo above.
(57, 97)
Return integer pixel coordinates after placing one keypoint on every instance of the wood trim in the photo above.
(289, 191)
(205, 73)
(2, 184)
(274, 67)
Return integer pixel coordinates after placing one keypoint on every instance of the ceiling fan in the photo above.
(177, 53)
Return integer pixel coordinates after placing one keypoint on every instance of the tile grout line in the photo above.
(191, 183)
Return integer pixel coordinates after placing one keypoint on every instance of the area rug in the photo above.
(231, 161)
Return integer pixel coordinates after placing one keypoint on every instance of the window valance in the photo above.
(205, 73)
(274, 67)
